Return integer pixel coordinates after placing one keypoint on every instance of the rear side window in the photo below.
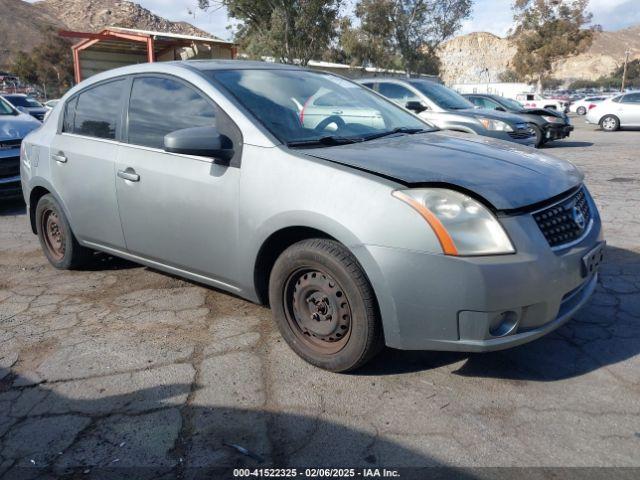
(160, 105)
(97, 112)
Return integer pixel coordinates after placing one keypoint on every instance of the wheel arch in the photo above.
(35, 195)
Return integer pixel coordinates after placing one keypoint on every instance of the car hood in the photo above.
(17, 126)
(492, 114)
(504, 174)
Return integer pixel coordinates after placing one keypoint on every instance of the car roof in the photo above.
(233, 65)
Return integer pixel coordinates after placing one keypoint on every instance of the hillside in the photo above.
(23, 28)
(481, 57)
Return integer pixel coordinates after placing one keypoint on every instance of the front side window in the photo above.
(442, 96)
(161, 105)
(97, 112)
(397, 93)
(631, 98)
(304, 106)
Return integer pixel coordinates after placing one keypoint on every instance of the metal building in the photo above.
(116, 47)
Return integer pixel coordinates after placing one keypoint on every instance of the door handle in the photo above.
(59, 157)
(129, 174)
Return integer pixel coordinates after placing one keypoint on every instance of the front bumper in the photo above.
(439, 302)
(10, 186)
(557, 132)
(527, 139)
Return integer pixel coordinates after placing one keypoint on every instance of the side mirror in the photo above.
(500, 109)
(415, 106)
(202, 141)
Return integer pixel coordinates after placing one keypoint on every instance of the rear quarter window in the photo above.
(97, 110)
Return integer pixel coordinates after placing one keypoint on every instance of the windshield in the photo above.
(512, 104)
(20, 101)
(5, 108)
(302, 106)
(442, 96)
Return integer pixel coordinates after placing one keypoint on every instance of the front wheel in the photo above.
(609, 123)
(56, 238)
(539, 136)
(324, 305)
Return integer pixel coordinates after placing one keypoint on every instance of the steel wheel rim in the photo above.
(317, 310)
(581, 111)
(52, 233)
(609, 123)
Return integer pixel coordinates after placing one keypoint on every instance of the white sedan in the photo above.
(581, 107)
(616, 112)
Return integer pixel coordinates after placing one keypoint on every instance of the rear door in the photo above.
(179, 210)
(83, 155)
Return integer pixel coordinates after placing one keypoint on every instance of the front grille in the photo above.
(565, 221)
(10, 144)
(9, 167)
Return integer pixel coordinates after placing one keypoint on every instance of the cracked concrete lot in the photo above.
(122, 367)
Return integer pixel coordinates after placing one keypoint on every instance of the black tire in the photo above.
(56, 238)
(609, 123)
(321, 278)
(581, 111)
(538, 134)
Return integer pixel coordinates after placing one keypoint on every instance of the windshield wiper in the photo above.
(407, 130)
(329, 140)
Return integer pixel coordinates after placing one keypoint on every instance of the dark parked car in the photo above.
(548, 124)
(27, 104)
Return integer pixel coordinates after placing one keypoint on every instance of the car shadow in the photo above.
(567, 144)
(604, 333)
(12, 206)
(161, 432)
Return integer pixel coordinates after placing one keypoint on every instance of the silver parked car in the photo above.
(447, 109)
(14, 126)
(614, 113)
(356, 234)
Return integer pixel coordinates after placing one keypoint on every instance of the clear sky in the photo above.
(493, 16)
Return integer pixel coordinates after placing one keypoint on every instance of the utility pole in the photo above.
(624, 71)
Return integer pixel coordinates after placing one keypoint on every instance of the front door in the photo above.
(629, 110)
(179, 210)
(83, 156)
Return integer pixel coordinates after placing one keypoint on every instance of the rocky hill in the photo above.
(22, 28)
(482, 57)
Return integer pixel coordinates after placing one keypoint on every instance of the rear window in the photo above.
(97, 111)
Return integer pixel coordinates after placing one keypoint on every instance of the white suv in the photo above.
(534, 100)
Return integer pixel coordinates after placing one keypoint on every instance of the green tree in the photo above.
(290, 30)
(48, 65)
(547, 31)
(404, 32)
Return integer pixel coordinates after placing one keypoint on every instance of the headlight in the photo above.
(496, 125)
(463, 225)
(552, 119)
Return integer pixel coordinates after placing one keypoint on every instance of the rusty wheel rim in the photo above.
(317, 310)
(52, 233)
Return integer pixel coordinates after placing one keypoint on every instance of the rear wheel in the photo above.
(581, 111)
(56, 238)
(610, 123)
(324, 305)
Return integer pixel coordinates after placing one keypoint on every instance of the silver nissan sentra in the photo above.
(357, 233)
